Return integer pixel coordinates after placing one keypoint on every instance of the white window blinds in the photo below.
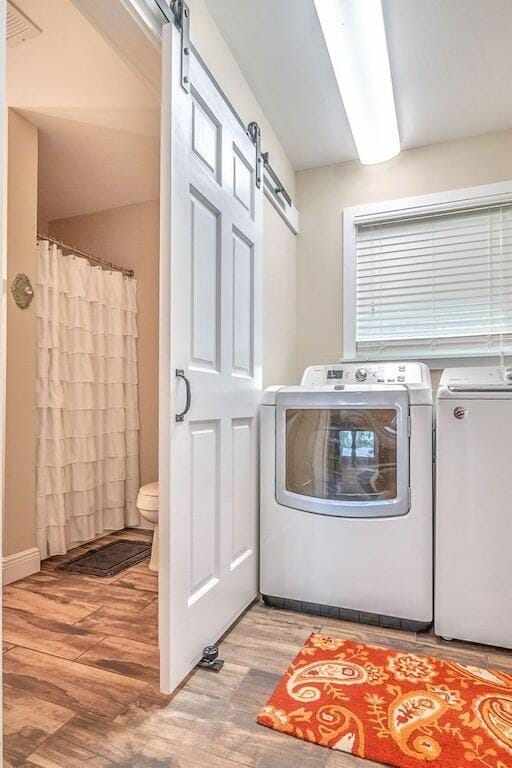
(436, 283)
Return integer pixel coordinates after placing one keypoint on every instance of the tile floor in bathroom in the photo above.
(81, 679)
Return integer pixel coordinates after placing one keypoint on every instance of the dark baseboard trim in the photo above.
(347, 614)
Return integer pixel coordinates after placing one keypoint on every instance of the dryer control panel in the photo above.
(366, 373)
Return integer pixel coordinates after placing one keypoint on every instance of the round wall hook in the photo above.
(22, 291)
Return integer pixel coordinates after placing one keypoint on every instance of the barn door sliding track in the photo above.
(178, 13)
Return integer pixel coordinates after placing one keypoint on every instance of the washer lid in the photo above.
(479, 379)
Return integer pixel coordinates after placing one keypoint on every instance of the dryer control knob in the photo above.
(508, 374)
(361, 374)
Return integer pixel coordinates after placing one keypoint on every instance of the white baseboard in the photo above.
(21, 564)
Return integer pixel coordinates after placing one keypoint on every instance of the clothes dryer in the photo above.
(346, 494)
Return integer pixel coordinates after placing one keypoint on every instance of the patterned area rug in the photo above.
(394, 707)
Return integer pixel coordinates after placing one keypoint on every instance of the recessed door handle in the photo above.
(180, 374)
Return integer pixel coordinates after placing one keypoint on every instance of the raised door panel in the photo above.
(243, 491)
(243, 305)
(204, 501)
(243, 181)
(205, 284)
(206, 137)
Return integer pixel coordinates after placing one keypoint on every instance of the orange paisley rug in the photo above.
(394, 707)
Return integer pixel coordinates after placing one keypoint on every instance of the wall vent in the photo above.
(19, 27)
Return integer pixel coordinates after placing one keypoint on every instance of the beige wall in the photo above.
(129, 236)
(279, 300)
(322, 193)
(20, 439)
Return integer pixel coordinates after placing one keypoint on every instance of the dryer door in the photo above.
(343, 454)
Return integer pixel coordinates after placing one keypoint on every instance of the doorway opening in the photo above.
(83, 152)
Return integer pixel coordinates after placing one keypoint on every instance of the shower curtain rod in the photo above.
(90, 256)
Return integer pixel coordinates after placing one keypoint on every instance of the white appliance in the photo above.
(473, 573)
(346, 494)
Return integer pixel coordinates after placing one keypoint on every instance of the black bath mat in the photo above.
(110, 559)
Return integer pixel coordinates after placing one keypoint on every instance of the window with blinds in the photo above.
(437, 283)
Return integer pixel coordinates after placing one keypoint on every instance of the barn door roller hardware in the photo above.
(263, 163)
(279, 187)
(254, 133)
(177, 12)
(182, 18)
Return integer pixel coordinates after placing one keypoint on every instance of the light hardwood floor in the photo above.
(81, 679)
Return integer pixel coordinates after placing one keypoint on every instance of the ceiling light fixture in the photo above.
(356, 40)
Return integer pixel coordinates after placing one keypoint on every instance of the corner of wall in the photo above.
(19, 531)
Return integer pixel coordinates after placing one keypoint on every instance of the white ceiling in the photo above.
(98, 120)
(451, 63)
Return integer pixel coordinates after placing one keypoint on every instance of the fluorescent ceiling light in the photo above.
(356, 40)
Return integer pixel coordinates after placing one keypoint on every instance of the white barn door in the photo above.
(211, 332)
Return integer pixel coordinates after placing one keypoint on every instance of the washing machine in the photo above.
(346, 494)
(473, 571)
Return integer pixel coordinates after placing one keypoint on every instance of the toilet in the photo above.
(147, 504)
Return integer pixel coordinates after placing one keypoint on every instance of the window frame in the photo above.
(437, 202)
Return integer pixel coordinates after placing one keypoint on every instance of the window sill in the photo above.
(440, 362)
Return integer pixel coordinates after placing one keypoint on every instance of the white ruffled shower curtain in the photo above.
(87, 463)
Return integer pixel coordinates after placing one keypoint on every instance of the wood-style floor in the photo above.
(81, 679)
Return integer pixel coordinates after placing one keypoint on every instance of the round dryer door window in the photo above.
(340, 458)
